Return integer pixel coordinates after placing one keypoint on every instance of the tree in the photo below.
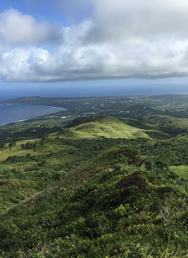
(10, 145)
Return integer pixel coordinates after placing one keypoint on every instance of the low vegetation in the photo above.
(95, 186)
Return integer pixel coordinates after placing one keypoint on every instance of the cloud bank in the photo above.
(118, 39)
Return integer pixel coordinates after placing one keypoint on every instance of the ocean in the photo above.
(16, 113)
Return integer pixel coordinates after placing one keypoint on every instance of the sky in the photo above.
(93, 47)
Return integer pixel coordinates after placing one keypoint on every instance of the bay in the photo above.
(16, 113)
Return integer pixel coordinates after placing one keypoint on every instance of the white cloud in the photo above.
(121, 39)
(19, 64)
(17, 28)
(127, 19)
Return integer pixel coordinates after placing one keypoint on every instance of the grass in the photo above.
(13, 191)
(22, 176)
(170, 120)
(15, 150)
(181, 171)
(106, 207)
(93, 197)
(108, 127)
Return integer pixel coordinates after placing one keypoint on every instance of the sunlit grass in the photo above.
(15, 150)
(181, 171)
(108, 127)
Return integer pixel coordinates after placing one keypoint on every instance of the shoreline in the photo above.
(32, 114)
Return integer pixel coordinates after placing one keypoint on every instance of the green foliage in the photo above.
(65, 195)
(115, 209)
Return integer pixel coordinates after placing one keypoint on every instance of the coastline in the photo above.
(10, 113)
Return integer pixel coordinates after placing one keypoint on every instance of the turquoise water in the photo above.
(15, 113)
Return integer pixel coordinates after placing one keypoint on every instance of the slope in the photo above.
(105, 126)
(34, 164)
(111, 206)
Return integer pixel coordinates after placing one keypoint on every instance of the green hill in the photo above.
(112, 206)
(109, 127)
(100, 187)
(113, 127)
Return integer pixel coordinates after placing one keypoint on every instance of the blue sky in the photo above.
(93, 47)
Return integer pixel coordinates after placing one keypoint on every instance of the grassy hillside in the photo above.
(109, 127)
(40, 162)
(111, 206)
(113, 127)
(181, 170)
(100, 187)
